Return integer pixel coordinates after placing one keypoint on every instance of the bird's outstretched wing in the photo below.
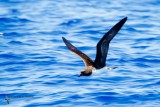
(84, 57)
(103, 44)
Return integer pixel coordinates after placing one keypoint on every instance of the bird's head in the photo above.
(84, 73)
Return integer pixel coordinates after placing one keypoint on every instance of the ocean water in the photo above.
(37, 69)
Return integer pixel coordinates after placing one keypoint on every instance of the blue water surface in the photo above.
(37, 70)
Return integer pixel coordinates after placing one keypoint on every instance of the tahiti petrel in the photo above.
(102, 50)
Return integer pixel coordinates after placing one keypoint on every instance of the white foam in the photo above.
(1, 34)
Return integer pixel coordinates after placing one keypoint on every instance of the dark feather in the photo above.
(103, 44)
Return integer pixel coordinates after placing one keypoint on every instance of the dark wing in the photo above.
(83, 56)
(103, 44)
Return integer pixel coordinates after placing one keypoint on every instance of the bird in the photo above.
(7, 99)
(102, 50)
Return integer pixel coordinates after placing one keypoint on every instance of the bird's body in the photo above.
(102, 50)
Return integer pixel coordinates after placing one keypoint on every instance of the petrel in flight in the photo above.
(102, 50)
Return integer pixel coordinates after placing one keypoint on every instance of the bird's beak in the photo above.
(79, 75)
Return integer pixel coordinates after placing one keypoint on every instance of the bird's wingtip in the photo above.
(64, 39)
(122, 21)
(125, 18)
